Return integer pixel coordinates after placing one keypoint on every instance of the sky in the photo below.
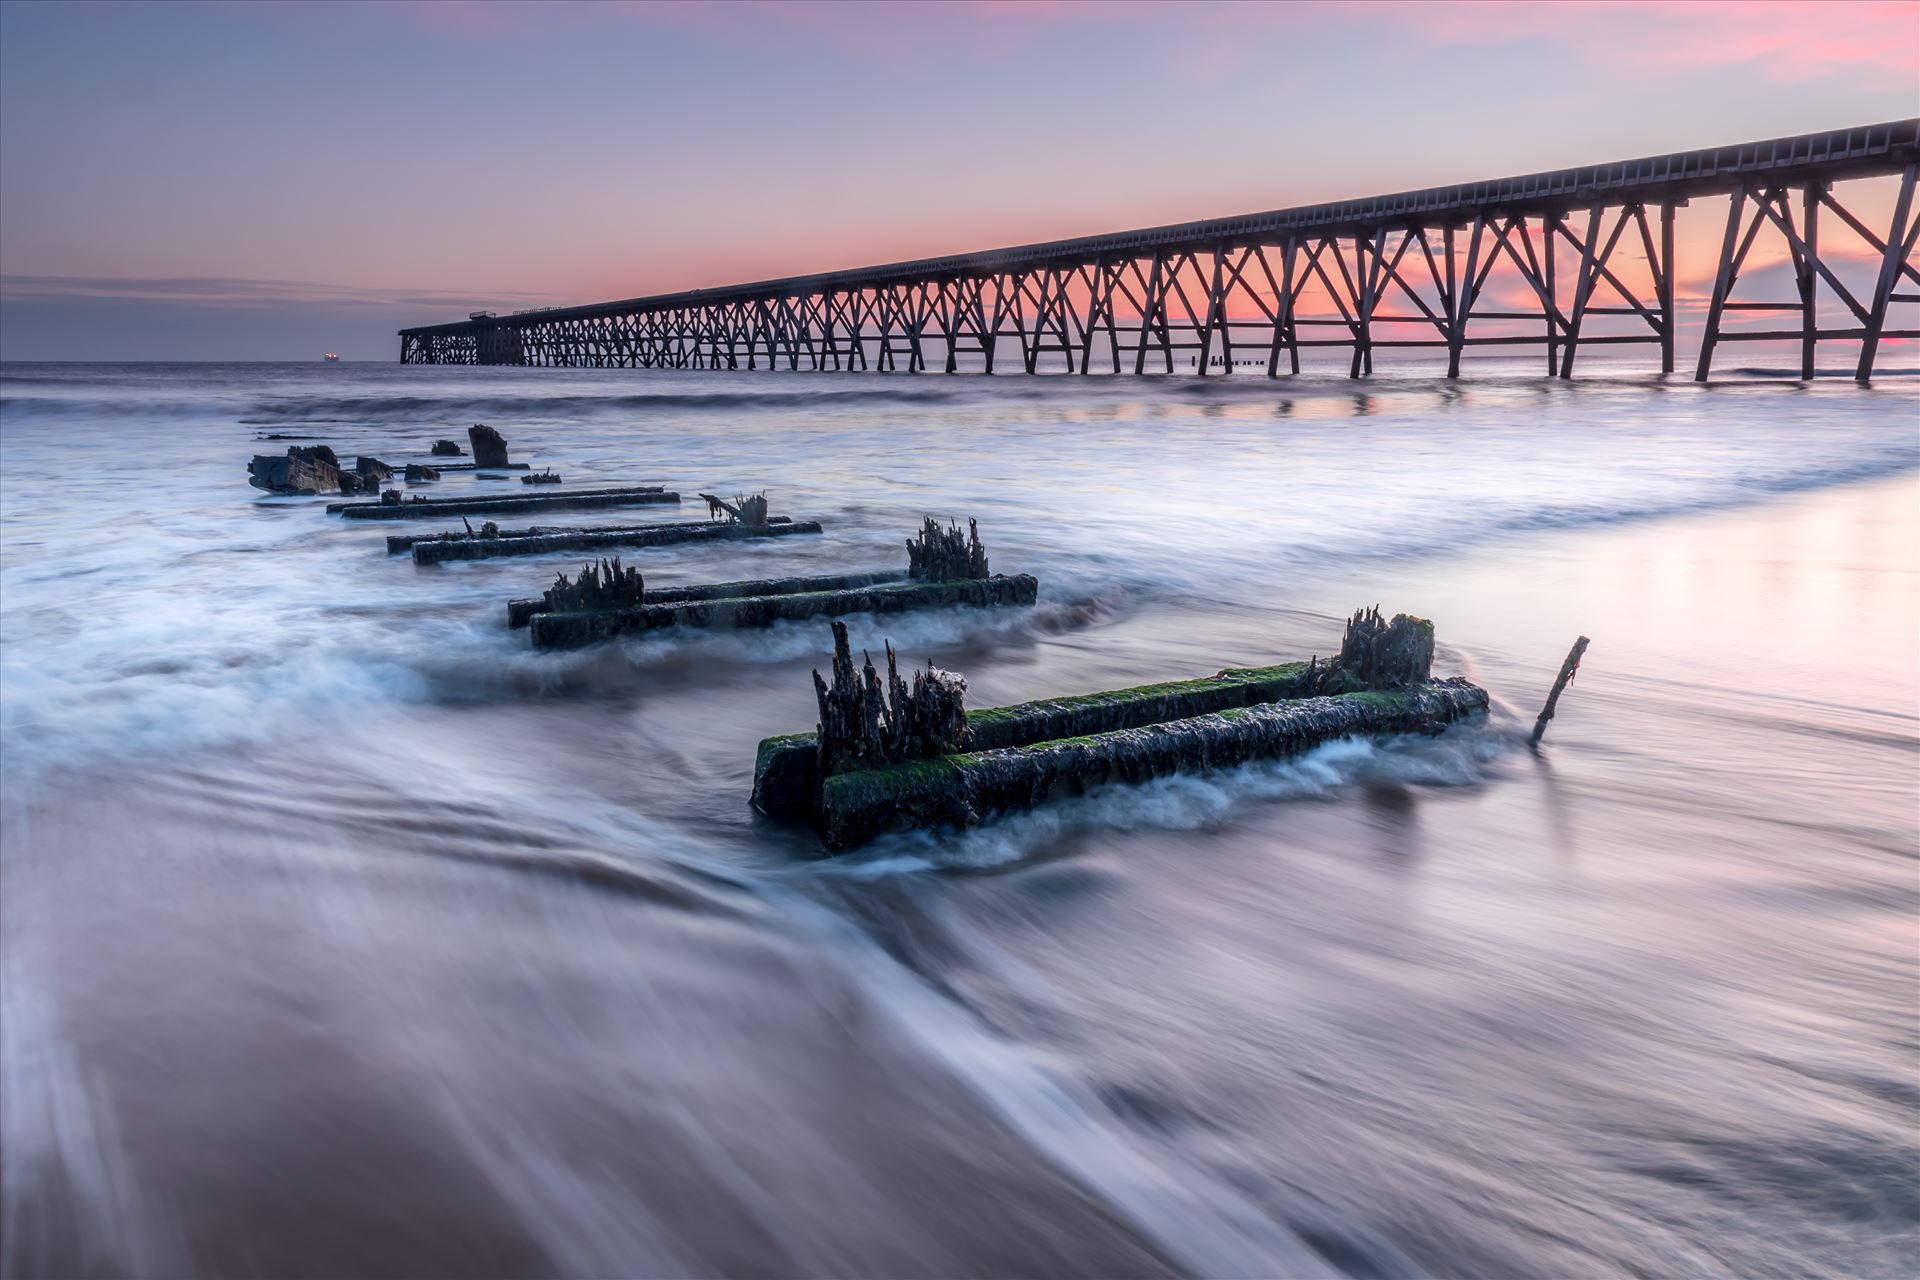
(268, 181)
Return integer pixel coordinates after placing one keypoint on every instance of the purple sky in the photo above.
(208, 181)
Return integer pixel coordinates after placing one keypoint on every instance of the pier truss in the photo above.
(1559, 261)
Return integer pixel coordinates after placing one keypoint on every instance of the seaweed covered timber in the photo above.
(541, 539)
(787, 600)
(417, 508)
(871, 767)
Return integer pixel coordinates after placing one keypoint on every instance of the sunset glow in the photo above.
(387, 170)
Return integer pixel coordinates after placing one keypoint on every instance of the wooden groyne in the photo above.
(475, 466)
(961, 789)
(521, 612)
(785, 779)
(658, 535)
(420, 508)
(572, 628)
(398, 542)
(888, 754)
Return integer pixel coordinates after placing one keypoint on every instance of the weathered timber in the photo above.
(521, 612)
(749, 510)
(447, 449)
(1378, 654)
(474, 466)
(786, 777)
(937, 554)
(398, 542)
(605, 586)
(419, 508)
(1568, 669)
(659, 535)
(864, 725)
(549, 476)
(563, 630)
(489, 446)
(351, 485)
(960, 790)
(305, 470)
(417, 474)
(371, 470)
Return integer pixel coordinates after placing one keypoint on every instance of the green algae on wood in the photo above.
(959, 790)
(1007, 758)
(567, 630)
(784, 775)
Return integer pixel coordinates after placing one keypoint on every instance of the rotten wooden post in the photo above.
(1567, 670)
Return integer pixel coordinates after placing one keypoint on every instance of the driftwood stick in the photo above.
(1567, 670)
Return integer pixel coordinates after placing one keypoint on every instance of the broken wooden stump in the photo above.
(417, 474)
(306, 470)
(1378, 654)
(534, 542)
(567, 630)
(417, 507)
(605, 586)
(1016, 757)
(447, 449)
(747, 511)
(549, 476)
(866, 726)
(489, 446)
(1568, 669)
(939, 554)
(521, 612)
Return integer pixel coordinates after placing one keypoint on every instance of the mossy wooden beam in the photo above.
(784, 781)
(566, 630)
(521, 612)
(959, 790)
(515, 543)
(421, 508)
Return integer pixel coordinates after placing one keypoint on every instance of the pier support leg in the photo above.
(1900, 240)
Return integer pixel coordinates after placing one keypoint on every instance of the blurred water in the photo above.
(345, 935)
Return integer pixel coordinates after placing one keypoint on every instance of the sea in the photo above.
(343, 934)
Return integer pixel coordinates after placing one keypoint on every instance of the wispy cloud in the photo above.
(231, 291)
(1786, 40)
